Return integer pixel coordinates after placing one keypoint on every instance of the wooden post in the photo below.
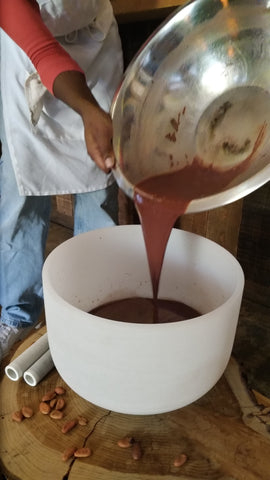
(62, 210)
(130, 11)
(222, 225)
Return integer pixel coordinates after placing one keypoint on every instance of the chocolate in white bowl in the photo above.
(138, 368)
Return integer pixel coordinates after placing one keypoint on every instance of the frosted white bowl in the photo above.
(140, 368)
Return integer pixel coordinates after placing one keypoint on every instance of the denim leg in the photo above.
(96, 209)
(24, 223)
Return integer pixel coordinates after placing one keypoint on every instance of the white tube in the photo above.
(39, 369)
(17, 367)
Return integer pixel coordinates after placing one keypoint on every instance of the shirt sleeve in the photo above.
(22, 22)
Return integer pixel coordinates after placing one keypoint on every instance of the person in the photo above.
(61, 63)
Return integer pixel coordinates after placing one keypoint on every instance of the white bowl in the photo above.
(140, 368)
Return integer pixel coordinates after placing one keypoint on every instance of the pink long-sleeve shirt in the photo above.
(22, 21)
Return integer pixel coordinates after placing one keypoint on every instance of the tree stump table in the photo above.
(225, 435)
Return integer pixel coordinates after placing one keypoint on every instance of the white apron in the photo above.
(47, 144)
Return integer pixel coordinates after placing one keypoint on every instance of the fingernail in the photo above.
(109, 163)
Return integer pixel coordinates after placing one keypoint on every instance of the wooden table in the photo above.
(225, 435)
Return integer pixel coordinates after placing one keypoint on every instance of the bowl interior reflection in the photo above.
(199, 88)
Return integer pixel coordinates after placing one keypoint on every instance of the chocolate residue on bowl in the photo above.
(234, 149)
(218, 117)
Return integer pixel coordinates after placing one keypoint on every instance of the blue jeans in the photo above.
(24, 224)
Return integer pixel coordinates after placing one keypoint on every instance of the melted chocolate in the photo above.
(144, 310)
(161, 199)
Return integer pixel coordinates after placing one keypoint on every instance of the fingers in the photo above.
(109, 162)
(101, 151)
(105, 161)
(109, 158)
(106, 164)
(98, 137)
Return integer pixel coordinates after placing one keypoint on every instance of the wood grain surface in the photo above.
(225, 435)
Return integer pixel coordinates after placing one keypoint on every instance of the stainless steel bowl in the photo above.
(199, 87)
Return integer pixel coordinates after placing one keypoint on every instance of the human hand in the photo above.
(71, 88)
(98, 131)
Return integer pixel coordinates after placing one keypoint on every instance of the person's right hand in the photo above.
(71, 88)
(98, 132)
